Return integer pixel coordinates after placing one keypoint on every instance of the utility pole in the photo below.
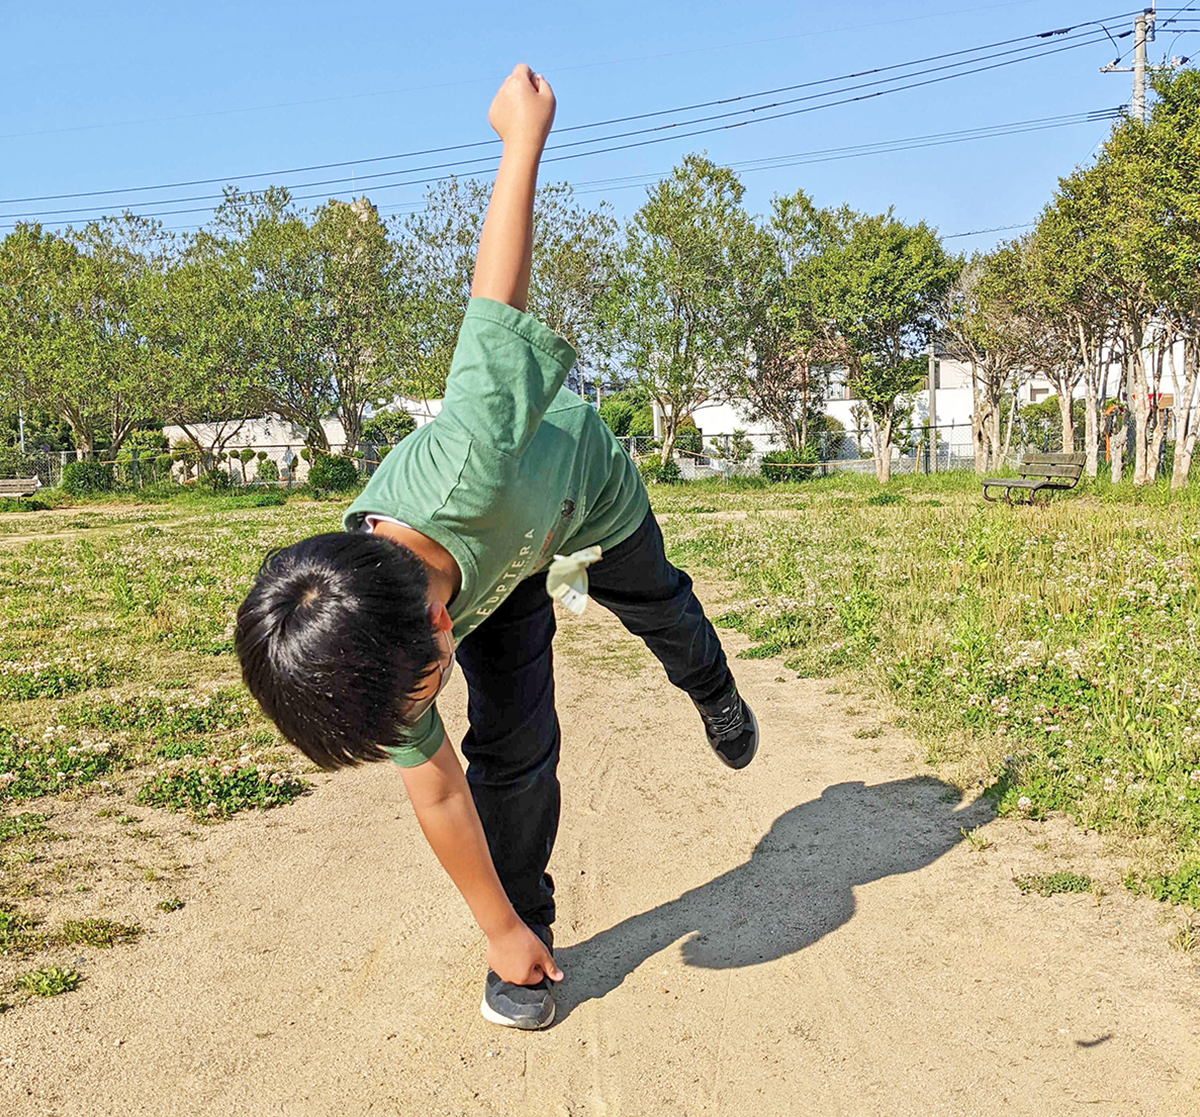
(1143, 33)
(933, 372)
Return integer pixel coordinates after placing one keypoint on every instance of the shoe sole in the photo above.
(493, 1017)
(743, 761)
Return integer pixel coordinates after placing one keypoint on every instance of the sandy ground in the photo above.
(810, 936)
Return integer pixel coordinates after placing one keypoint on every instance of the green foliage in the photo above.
(333, 474)
(677, 307)
(29, 769)
(23, 504)
(883, 499)
(386, 428)
(172, 903)
(21, 825)
(1050, 884)
(102, 933)
(789, 465)
(1179, 887)
(50, 981)
(618, 409)
(86, 478)
(735, 448)
(168, 717)
(266, 472)
(218, 790)
(656, 472)
(16, 932)
(55, 677)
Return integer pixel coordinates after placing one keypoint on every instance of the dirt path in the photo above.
(811, 936)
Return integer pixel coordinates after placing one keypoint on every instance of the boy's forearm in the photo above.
(506, 243)
(446, 812)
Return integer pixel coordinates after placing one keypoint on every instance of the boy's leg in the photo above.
(512, 745)
(655, 600)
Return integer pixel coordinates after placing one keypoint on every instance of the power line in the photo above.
(1032, 39)
(822, 155)
(559, 69)
(1027, 55)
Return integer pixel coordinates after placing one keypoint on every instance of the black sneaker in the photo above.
(528, 1007)
(731, 727)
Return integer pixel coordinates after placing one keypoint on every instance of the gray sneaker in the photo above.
(528, 1007)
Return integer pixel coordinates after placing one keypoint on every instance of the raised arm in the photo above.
(521, 113)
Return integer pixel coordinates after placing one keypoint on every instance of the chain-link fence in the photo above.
(743, 454)
(237, 466)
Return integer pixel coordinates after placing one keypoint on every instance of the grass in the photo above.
(1051, 652)
(1051, 884)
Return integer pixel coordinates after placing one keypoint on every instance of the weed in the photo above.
(172, 903)
(1179, 887)
(868, 734)
(21, 825)
(29, 769)
(102, 933)
(1186, 937)
(48, 982)
(977, 841)
(16, 932)
(1050, 884)
(219, 790)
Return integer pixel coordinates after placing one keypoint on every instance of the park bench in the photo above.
(1040, 473)
(18, 486)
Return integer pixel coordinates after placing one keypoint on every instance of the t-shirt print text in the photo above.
(508, 579)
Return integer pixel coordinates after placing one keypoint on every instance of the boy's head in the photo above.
(338, 644)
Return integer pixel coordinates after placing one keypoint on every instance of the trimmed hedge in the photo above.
(329, 473)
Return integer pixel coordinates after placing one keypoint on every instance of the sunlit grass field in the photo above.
(1048, 653)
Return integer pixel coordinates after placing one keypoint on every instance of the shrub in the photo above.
(87, 477)
(386, 428)
(330, 473)
(22, 504)
(268, 471)
(616, 412)
(656, 472)
(781, 465)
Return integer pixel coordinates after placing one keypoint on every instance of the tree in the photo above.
(982, 323)
(877, 287)
(574, 263)
(787, 379)
(70, 341)
(678, 304)
(210, 368)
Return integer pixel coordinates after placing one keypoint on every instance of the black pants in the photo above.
(513, 742)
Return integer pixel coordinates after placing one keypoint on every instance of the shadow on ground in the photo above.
(795, 889)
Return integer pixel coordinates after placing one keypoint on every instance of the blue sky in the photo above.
(115, 95)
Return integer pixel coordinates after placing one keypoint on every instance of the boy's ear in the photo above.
(439, 617)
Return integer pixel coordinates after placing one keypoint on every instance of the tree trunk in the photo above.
(1139, 401)
(669, 432)
(1185, 421)
(1068, 426)
(979, 418)
(1116, 451)
(1090, 427)
(881, 446)
(1161, 419)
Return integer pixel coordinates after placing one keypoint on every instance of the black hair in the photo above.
(333, 639)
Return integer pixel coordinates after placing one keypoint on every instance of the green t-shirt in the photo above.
(513, 469)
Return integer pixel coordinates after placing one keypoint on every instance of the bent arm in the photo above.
(442, 800)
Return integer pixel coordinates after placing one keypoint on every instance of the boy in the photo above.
(347, 639)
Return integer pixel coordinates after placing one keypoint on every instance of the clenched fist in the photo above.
(523, 109)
